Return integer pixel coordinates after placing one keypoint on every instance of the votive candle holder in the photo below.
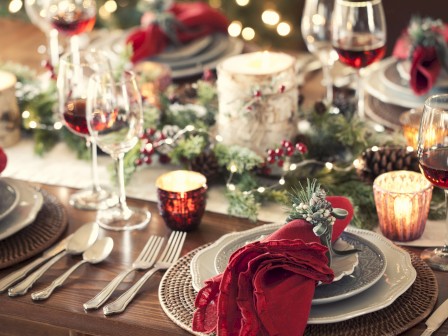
(182, 199)
(402, 201)
(410, 123)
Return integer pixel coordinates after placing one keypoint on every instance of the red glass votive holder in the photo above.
(402, 201)
(182, 199)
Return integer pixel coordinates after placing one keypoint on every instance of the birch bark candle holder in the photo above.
(258, 100)
(9, 110)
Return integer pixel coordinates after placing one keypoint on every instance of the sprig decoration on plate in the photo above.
(311, 205)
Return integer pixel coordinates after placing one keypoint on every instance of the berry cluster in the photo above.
(287, 149)
(150, 140)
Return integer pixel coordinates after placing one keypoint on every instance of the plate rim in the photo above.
(14, 203)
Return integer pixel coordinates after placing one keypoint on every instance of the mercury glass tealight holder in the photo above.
(182, 199)
(402, 201)
(410, 123)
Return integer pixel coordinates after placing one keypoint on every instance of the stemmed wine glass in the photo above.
(37, 13)
(433, 158)
(359, 37)
(115, 120)
(316, 31)
(72, 18)
(74, 72)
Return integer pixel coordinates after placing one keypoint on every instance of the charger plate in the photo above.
(176, 295)
(48, 226)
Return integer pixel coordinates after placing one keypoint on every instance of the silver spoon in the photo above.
(82, 239)
(94, 254)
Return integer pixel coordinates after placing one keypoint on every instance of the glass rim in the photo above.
(67, 60)
(359, 4)
(381, 189)
(433, 98)
(199, 182)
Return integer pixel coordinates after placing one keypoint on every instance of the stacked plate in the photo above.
(186, 60)
(19, 206)
(387, 83)
(365, 282)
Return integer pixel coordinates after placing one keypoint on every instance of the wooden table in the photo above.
(62, 313)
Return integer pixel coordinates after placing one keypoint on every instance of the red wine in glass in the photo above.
(360, 50)
(434, 165)
(73, 23)
(75, 116)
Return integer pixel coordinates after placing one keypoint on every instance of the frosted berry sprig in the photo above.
(151, 139)
(286, 150)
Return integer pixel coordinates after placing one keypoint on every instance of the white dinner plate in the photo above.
(397, 278)
(30, 202)
(9, 198)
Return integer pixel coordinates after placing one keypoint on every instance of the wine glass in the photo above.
(359, 37)
(74, 72)
(37, 13)
(316, 31)
(115, 120)
(432, 154)
(72, 18)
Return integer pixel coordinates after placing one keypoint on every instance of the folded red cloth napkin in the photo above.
(3, 160)
(192, 21)
(425, 65)
(268, 286)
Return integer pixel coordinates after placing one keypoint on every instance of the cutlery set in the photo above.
(85, 241)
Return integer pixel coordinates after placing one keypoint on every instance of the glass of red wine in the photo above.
(432, 154)
(75, 69)
(115, 121)
(359, 37)
(72, 18)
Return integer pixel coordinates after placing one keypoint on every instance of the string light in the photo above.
(242, 3)
(15, 6)
(110, 6)
(248, 33)
(270, 17)
(235, 28)
(283, 29)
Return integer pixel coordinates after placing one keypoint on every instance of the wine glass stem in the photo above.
(360, 94)
(445, 243)
(328, 81)
(53, 44)
(119, 161)
(95, 180)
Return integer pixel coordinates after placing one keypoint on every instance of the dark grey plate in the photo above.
(9, 198)
(371, 267)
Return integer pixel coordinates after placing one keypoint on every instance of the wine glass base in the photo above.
(89, 199)
(436, 258)
(116, 219)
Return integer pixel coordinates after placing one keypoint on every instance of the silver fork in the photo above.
(169, 255)
(144, 261)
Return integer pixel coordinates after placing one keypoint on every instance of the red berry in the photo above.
(266, 171)
(282, 89)
(286, 143)
(138, 162)
(271, 152)
(3, 160)
(271, 159)
(148, 160)
(257, 94)
(301, 147)
(164, 158)
(279, 152)
(280, 163)
(289, 151)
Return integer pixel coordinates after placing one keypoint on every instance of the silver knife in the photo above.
(15, 276)
(436, 319)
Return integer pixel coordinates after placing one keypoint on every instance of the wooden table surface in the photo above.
(62, 313)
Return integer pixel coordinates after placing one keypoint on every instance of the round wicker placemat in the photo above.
(50, 223)
(177, 295)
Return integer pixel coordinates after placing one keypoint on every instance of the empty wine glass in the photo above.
(316, 31)
(75, 70)
(433, 157)
(115, 120)
(72, 18)
(359, 37)
(37, 13)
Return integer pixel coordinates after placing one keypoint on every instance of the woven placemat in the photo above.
(50, 223)
(177, 295)
(385, 114)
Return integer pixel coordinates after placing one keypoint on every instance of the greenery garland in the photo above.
(180, 130)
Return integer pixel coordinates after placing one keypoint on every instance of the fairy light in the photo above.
(379, 128)
(15, 6)
(261, 190)
(248, 33)
(292, 167)
(409, 149)
(26, 114)
(103, 12)
(283, 29)
(375, 149)
(357, 163)
(233, 168)
(235, 28)
(219, 138)
(329, 165)
(32, 124)
(270, 17)
(231, 187)
(57, 125)
(190, 128)
(110, 6)
(242, 3)
(281, 181)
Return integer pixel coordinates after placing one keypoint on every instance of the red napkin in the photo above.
(193, 20)
(268, 286)
(3, 160)
(425, 65)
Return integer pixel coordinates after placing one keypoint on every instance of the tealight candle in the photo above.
(402, 201)
(9, 110)
(257, 96)
(410, 122)
(182, 199)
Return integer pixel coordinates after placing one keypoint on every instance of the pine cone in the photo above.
(375, 162)
(206, 163)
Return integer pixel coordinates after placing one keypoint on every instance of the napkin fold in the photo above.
(182, 23)
(3, 160)
(268, 286)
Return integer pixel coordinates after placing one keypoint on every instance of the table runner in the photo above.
(177, 295)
